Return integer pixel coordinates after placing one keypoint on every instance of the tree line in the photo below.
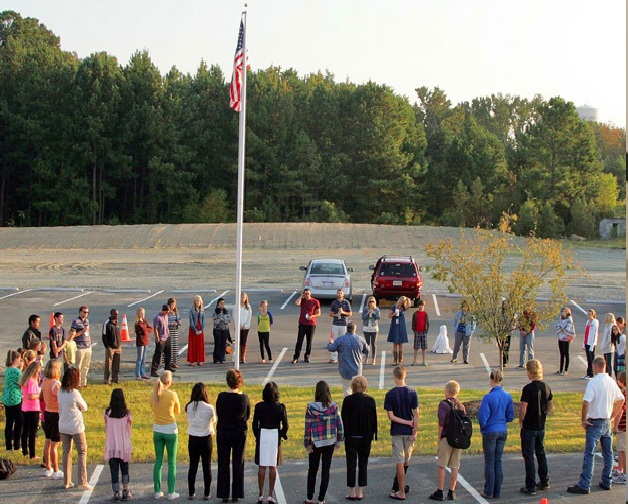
(90, 141)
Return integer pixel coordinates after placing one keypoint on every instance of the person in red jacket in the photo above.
(420, 326)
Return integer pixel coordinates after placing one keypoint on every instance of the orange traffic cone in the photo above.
(52, 320)
(124, 331)
(544, 500)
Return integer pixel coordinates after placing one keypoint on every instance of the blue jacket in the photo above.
(496, 411)
(350, 348)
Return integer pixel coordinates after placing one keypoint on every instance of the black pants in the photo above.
(563, 348)
(357, 450)
(29, 432)
(326, 453)
(220, 344)
(371, 341)
(230, 446)
(590, 351)
(531, 445)
(264, 342)
(307, 332)
(165, 348)
(506, 349)
(117, 465)
(200, 448)
(13, 427)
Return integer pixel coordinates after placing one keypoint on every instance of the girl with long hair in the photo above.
(143, 331)
(246, 314)
(398, 333)
(606, 343)
(201, 430)
(174, 322)
(50, 392)
(196, 333)
(118, 446)
(12, 401)
(222, 319)
(270, 426)
(165, 405)
(591, 329)
(72, 427)
(370, 326)
(31, 408)
(566, 332)
(324, 433)
(264, 323)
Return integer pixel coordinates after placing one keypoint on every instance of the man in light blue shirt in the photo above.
(350, 347)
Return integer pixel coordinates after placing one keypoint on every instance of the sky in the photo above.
(469, 48)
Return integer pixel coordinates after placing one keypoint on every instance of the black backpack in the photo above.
(7, 468)
(458, 428)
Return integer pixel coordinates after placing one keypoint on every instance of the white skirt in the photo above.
(268, 447)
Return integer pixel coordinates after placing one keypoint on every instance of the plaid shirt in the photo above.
(323, 426)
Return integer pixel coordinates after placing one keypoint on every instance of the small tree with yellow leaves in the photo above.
(488, 267)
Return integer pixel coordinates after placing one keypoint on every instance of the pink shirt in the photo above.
(31, 387)
(118, 437)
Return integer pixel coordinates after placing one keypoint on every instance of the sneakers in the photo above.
(294, 361)
(620, 479)
(48, 473)
(603, 486)
(543, 486)
(173, 496)
(528, 491)
(306, 360)
(577, 490)
(453, 360)
(57, 475)
(158, 495)
(437, 495)
(451, 495)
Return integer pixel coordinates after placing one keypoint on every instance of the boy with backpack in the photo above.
(449, 456)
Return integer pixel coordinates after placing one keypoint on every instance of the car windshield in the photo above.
(397, 270)
(327, 269)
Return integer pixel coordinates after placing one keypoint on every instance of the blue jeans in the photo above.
(140, 362)
(532, 444)
(599, 430)
(493, 446)
(526, 341)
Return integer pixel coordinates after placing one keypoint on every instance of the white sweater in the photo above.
(71, 407)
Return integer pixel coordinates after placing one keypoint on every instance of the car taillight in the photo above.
(308, 282)
(347, 283)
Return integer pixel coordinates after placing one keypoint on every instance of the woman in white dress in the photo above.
(441, 345)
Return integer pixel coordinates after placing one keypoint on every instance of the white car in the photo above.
(325, 276)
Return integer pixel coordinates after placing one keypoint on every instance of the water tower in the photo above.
(587, 113)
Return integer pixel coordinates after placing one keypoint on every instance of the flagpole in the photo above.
(240, 199)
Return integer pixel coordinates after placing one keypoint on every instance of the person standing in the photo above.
(83, 344)
(118, 445)
(464, 327)
(12, 401)
(32, 334)
(370, 326)
(509, 326)
(143, 331)
(233, 409)
(620, 353)
(420, 327)
(402, 405)
(607, 345)
(246, 314)
(566, 332)
(31, 408)
(113, 348)
(222, 319)
(270, 426)
(70, 351)
(174, 322)
(601, 404)
(310, 311)
(196, 333)
(201, 431)
(162, 341)
(56, 335)
(536, 403)
(527, 325)
(165, 405)
(339, 310)
(349, 349)
(323, 433)
(619, 429)
(398, 333)
(49, 393)
(264, 323)
(496, 410)
(359, 418)
(590, 340)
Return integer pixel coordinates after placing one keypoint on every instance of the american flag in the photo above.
(235, 89)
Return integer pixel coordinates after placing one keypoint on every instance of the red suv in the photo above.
(395, 276)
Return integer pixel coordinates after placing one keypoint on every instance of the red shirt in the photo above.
(309, 307)
(420, 318)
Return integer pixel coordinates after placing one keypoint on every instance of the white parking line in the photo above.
(583, 360)
(73, 298)
(288, 300)
(362, 303)
(436, 305)
(16, 293)
(382, 366)
(92, 481)
(577, 306)
(216, 299)
(272, 369)
(281, 498)
(486, 364)
(144, 299)
(474, 493)
(183, 350)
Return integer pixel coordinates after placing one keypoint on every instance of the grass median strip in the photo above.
(563, 431)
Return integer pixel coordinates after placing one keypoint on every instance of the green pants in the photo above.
(170, 442)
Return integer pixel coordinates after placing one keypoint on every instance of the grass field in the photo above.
(563, 431)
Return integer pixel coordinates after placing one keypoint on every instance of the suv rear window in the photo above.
(397, 270)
